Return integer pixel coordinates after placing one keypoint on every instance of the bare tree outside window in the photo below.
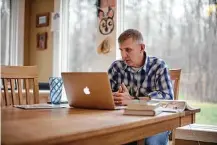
(184, 34)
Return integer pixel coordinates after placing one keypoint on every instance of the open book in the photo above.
(156, 106)
(173, 105)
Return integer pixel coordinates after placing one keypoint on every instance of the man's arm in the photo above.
(164, 89)
(120, 92)
(113, 77)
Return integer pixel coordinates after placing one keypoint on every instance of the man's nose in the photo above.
(124, 54)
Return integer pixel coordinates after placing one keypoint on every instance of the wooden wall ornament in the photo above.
(105, 46)
(106, 24)
(42, 40)
(42, 20)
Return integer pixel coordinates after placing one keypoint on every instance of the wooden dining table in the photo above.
(82, 126)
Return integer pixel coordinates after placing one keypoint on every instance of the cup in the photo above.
(56, 85)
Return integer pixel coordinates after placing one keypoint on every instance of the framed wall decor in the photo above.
(42, 20)
(42, 41)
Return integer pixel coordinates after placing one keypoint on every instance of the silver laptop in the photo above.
(89, 90)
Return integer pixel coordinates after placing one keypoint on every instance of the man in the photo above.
(138, 75)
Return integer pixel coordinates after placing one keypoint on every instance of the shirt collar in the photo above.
(144, 67)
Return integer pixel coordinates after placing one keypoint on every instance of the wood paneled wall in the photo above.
(33, 56)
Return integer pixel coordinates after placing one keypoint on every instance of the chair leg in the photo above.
(173, 136)
(140, 142)
(170, 136)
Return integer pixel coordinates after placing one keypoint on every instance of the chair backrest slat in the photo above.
(18, 82)
(13, 96)
(2, 98)
(175, 76)
(35, 90)
(20, 94)
(6, 95)
(27, 91)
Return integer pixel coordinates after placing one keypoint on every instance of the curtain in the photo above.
(12, 32)
(5, 31)
(184, 34)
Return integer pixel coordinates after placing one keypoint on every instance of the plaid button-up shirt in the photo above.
(152, 79)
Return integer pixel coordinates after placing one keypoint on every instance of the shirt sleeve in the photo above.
(113, 77)
(164, 89)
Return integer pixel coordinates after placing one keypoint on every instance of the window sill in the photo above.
(197, 132)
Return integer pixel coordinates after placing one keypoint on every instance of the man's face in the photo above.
(132, 52)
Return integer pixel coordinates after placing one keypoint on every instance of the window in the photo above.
(183, 33)
(12, 27)
(77, 36)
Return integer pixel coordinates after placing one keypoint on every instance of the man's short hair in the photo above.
(130, 33)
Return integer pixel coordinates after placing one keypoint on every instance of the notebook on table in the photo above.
(142, 112)
(41, 106)
(144, 108)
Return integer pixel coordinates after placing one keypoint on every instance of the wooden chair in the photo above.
(175, 77)
(19, 83)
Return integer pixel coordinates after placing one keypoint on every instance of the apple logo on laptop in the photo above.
(86, 91)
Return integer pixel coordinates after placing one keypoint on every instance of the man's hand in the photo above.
(122, 95)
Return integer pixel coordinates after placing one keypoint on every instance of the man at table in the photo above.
(139, 75)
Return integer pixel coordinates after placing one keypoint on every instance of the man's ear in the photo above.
(142, 47)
